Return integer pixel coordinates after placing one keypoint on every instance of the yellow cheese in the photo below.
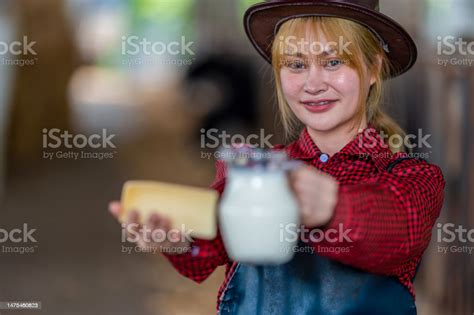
(194, 207)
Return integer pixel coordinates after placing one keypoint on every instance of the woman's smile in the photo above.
(319, 106)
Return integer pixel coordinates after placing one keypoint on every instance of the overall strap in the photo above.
(392, 164)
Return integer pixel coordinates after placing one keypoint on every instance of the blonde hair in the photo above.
(365, 51)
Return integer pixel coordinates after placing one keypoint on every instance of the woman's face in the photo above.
(321, 90)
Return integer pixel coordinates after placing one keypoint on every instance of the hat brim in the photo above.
(262, 21)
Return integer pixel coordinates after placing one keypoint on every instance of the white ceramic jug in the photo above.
(257, 208)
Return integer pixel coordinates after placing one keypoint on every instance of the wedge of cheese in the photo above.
(193, 207)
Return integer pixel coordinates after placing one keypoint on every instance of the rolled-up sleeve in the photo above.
(388, 219)
(205, 255)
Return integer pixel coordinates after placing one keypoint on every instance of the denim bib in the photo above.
(311, 284)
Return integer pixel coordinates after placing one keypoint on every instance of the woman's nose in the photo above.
(315, 80)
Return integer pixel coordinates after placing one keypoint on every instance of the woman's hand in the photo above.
(316, 193)
(152, 233)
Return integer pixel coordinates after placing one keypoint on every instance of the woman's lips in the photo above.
(318, 107)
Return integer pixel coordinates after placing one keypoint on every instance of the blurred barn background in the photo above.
(85, 75)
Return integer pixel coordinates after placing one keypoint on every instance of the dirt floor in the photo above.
(78, 266)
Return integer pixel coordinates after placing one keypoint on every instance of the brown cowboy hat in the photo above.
(262, 21)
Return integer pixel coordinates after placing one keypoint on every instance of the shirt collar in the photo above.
(366, 144)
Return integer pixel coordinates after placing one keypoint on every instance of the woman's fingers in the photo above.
(155, 232)
(133, 218)
(134, 226)
(163, 223)
(316, 193)
(115, 208)
(153, 222)
(133, 223)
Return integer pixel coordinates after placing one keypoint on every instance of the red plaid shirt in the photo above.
(391, 213)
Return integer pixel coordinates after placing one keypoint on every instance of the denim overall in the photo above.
(311, 284)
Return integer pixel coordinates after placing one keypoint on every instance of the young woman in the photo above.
(330, 58)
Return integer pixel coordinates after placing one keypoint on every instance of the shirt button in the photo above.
(324, 158)
(195, 251)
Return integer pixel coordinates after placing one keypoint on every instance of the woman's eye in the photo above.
(296, 65)
(334, 63)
